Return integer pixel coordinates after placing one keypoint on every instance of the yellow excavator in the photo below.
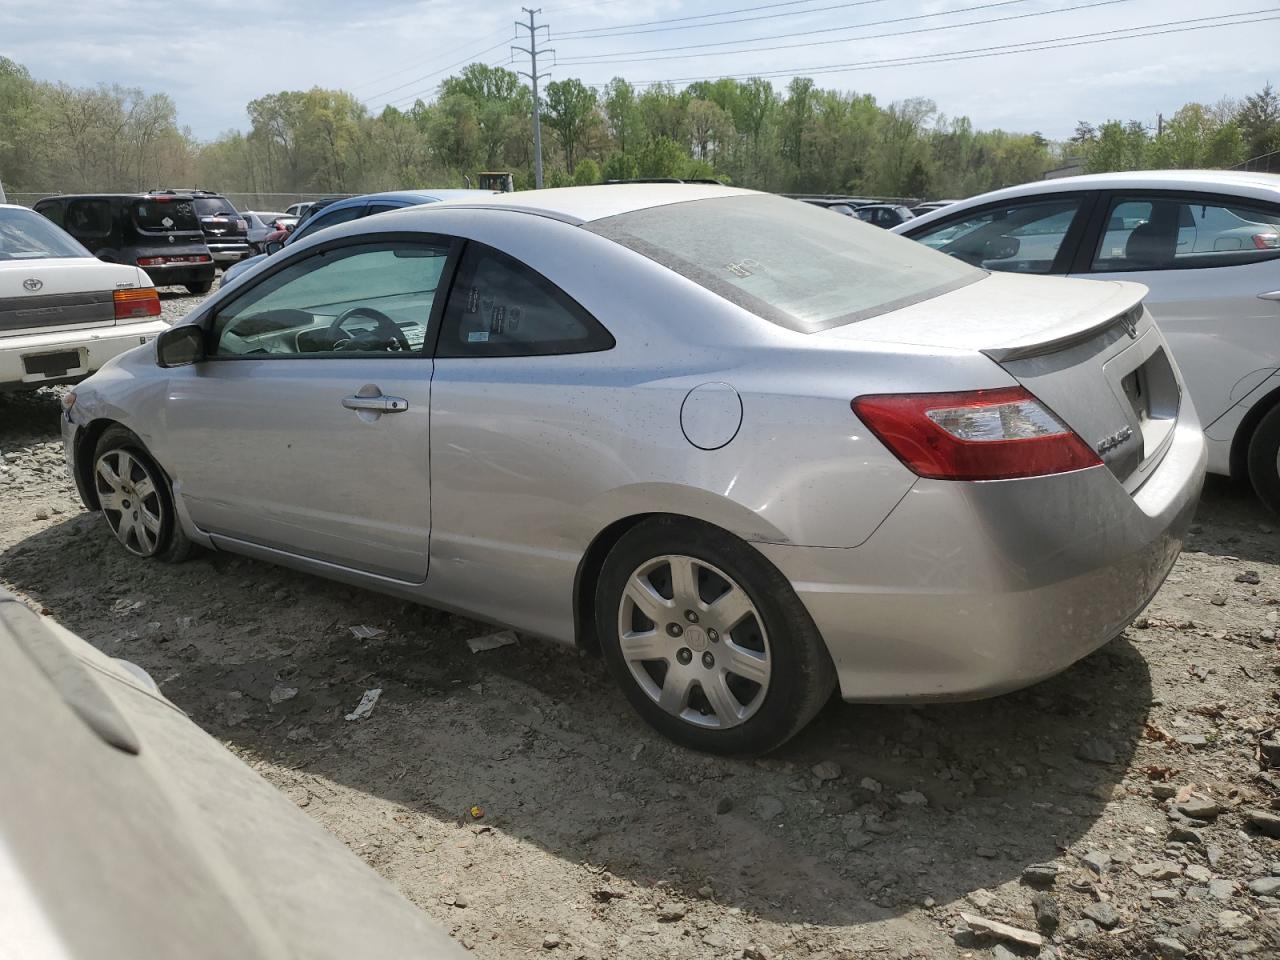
(493, 180)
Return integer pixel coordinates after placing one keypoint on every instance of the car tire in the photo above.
(199, 288)
(690, 688)
(136, 499)
(1264, 460)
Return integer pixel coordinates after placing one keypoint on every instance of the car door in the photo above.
(514, 361)
(1213, 282)
(306, 428)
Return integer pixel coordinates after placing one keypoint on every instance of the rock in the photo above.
(1246, 947)
(982, 899)
(857, 839)
(1222, 889)
(714, 941)
(1048, 913)
(550, 942)
(1158, 870)
(1096, 750)
(1185, 834)
(826, 770)
(724, 806)
(1198, 808)
(1250, 577)
(1002, 931)
(42, 513)
(1081, 930)
(1163, 791)
(1263, 822)
(1193, 740)
(1097, 861)
(757, 951)
(1265, 887)
(913, 798)
(873, 786)
(706, 892)
(1232, 920)
(1001, 952)
(1040, 874)
(1103, 914)
(280, 693)
(1213, 853)
(670, 914)
(769, 808)
(461, 902)
(1218, 599)
(1168, 948)
(1165, 895)
(1198, 873)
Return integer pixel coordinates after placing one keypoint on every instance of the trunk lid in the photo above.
(38, 296)
(1087, 349)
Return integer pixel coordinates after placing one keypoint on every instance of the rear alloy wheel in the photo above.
(708, 640)
(134, 497)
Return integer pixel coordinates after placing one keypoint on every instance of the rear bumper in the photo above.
(92, 348)
(228, 251)
(970, 590)
(180, 274)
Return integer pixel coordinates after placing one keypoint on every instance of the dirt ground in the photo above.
(867, 836)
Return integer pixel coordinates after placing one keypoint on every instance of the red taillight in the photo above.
(977, 435)
(1266, 241)
(132, 304)
(161, 261)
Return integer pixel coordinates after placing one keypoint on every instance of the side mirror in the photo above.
(180, 346)
(1001, 248)
(272, 246)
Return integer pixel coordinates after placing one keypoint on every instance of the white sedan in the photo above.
(1206, 243)
(63, 312)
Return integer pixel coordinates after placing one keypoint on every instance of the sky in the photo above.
(213, 57)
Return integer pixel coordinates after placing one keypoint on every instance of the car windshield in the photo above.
(214, 207)
(164, 215)
(791, 263)
(25, 235)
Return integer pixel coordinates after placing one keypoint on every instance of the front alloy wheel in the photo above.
(129, 495)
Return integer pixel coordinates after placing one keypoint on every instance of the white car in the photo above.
(1206, 243)
(63, 312)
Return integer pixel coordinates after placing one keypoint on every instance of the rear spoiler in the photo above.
(1069, 334)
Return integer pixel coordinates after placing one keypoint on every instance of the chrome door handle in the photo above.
(376, 404)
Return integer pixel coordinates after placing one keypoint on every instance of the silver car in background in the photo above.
(751, 451)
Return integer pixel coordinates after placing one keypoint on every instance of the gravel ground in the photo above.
(1118, 810)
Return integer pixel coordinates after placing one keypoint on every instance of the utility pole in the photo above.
(534, 77)
(1159, 124)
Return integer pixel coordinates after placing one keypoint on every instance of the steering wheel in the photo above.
(386, 327)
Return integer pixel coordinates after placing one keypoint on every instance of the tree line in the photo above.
(801, 138)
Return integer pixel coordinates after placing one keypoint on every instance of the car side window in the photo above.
(52, 211)
(1169, 232)
(381, 208)
(372, 299)
(89, 218)
(330, 218)
(499, 307)
(1018, 238)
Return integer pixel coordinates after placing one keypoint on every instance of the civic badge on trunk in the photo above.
(1107, 444)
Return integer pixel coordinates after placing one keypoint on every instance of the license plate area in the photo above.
(47, 365)
(1152, 393)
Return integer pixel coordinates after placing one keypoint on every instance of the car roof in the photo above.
(1262, 186)
(579, 205)
(407, 196)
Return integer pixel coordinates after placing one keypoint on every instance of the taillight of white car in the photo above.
(999, 434)
(137, 304)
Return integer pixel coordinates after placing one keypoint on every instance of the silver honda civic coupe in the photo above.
(749, 451)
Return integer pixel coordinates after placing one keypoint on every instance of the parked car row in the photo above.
(875, 212)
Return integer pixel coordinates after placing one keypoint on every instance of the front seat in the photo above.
(1152, 245)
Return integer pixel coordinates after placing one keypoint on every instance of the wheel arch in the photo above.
(86, 442)
(1239, 457)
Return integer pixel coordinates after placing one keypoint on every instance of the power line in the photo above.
(614, 57)
(595, 33)
(467, 59)
(697, 16)
(1031, 46)
(413, 66)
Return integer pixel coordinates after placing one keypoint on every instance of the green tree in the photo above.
(621, 166)
(661, 157)
(586, 172)
(1259, 122)
(569, 111)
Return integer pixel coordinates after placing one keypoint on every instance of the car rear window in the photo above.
(164, 216)
(25, 235)
(788, 262)
(215, 207)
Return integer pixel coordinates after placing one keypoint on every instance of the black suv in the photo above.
(160, 234)
(225, 231)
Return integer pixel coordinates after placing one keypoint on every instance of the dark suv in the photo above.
(160, 234)
(225, 231)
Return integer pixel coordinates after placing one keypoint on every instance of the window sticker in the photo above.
(498, 318)
(473, 300)
(478, 336)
